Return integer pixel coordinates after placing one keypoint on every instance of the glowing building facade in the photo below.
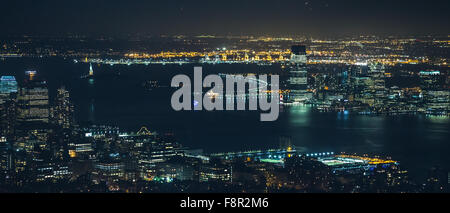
(63, 109)
(298, 75)
(8, 84)
(33, 102)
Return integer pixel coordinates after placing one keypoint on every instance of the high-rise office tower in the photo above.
(298, 74)
(430, 80)
(33, 102)
(63, 109)
(5, 158)
(8, 94)
(8, 117)
(8, 85)
(376, 73)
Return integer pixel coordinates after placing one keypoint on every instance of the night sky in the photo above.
(275, 17)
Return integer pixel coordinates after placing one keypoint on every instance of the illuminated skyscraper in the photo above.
(33, 102)
(8, 84)
(63, 109)
(8, 117)
(376, 73)
(5, 158)
(298, 80)
(429, 80)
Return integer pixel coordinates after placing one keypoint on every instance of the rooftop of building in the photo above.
(7, 78)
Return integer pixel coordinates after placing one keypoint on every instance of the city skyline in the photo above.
(224, 105)
(45, 139)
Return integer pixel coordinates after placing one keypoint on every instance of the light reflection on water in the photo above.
(418, 142)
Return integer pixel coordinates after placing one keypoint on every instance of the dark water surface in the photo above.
(116, 96)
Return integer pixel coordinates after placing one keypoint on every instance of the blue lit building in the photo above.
(8, 84)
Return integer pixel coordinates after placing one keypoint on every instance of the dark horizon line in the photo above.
(230, 34)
